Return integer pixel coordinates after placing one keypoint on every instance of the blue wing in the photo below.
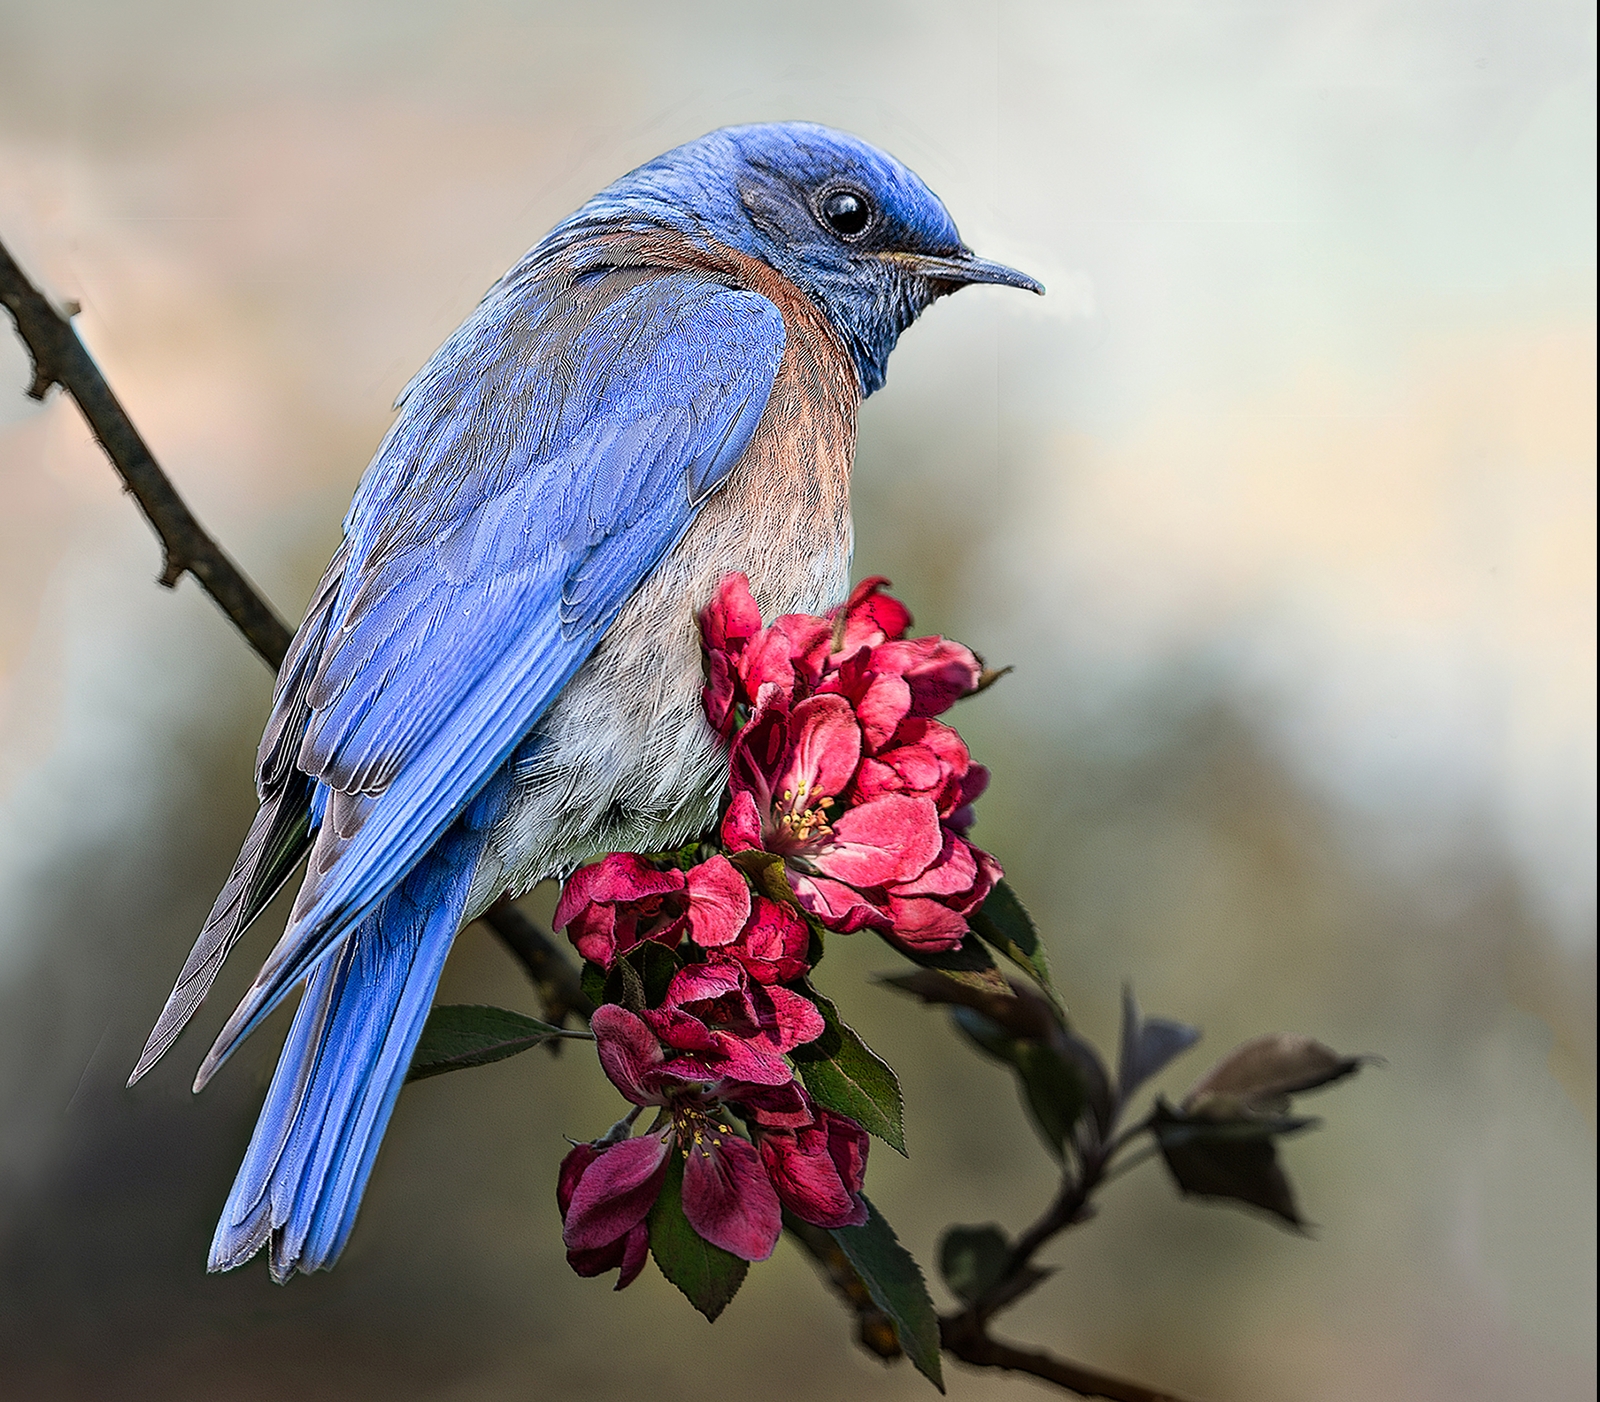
(543, 463)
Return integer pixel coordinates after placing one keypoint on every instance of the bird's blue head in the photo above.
(849, 225)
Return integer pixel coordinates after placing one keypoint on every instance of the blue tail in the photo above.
(342, 1067)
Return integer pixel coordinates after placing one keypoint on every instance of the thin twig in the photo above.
(542, 960)
(971, 1344)
(966, 1334)
(59, 358)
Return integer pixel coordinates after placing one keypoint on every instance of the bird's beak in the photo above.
(962, 268)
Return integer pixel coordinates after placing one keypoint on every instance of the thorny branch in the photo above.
(60, 358)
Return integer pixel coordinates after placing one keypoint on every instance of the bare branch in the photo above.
(965, 1339)
(59, 358)
(542, 960)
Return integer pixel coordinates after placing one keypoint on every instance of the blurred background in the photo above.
(1281, 504)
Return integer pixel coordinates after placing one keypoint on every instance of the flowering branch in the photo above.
(848, 809)
(542, 960)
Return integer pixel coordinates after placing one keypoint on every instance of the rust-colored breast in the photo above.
(785, 510)
(624, 760)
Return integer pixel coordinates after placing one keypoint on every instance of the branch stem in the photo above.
(971, 1344)
(542, 960)
(60, 358)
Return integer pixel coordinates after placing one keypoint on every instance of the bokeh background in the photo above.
(1281, 503)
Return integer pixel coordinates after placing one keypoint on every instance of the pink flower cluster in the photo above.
(719, 1038)
(840, 768)
(798, 1155)
(841, 778)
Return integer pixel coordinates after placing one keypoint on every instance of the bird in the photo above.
(499, 675)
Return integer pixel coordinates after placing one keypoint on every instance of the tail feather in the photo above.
(342, 1068)
(278, 838)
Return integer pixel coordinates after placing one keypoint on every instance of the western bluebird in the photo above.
(499, 675)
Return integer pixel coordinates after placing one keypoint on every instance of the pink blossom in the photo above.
(773, 945)
(616, 904)
(804, 1157)
(789, 775)
(631, 1244)
(841, 770)
(929, 912)
(728, 1026)
(727, 624)
(817, 1161)
(872, 617)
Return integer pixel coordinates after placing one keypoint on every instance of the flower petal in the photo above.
(774, 945)
(923, 923)
(872, 617)
(731, 619)
(572, 1170)
(847, 1146)
(727, 1196)
(892, 838)
(719, 903)
(937, 671)
(807, 1179)
(952, 873)
(616, 1192)
(741, 826)
(635, 1252)
(774, 1107)
(629, 1053)
(884, 703)
(824, 749)
(700, 983)
(836, 905)
(798, 1020)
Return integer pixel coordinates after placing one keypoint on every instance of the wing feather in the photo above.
(489, 555)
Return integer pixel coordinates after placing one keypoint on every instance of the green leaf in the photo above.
(592, 982)
(656, 965)
(767, 874)
(1004, 924)
(1054, 1089)
(689, 855)
(968, 963)
(708, 1276)
(895, 1283)
(971, 1259)
(846, 1076)
(639, 979)
(1148, 1044)
(1230, 1159)
(460, 1035)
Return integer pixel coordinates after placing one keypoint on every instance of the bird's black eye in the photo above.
(847, 212)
